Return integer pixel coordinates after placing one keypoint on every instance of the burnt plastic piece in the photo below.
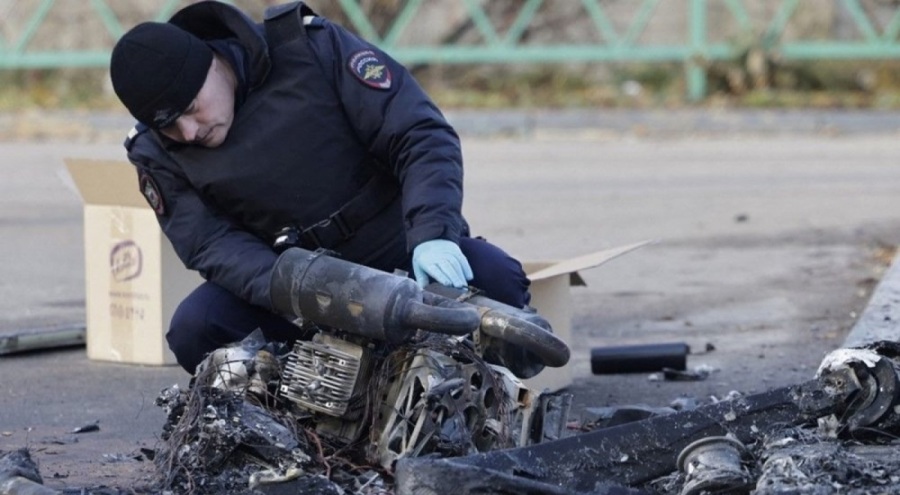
(639, 358)
(445, 477)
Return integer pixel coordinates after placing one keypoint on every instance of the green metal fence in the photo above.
(492, 41)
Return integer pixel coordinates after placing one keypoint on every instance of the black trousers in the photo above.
(211, 317)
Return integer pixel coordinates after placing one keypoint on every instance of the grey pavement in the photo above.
(774, 228)
(674, 123)
(83, 126)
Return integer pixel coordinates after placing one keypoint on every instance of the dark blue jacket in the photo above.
(322, 113)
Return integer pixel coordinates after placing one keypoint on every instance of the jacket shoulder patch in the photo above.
(371, 69)
(151, 193)
(133, 134)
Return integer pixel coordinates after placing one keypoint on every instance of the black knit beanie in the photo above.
(157, 69)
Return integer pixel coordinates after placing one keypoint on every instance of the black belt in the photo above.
(375, 196)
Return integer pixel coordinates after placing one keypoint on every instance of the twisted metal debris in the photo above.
(231, 431)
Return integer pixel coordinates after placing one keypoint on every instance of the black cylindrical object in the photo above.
(359, 300)
(639, 358)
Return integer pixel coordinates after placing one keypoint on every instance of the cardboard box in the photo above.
(133, 278)
(551, 297)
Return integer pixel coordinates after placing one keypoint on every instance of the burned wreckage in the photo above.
(390, 371)
(410, 391)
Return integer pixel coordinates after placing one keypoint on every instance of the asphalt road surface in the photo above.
(769, 245)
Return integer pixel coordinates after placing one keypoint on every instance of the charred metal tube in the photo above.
(549, 348)
(452, 321)
(533, 344)
(359, 300)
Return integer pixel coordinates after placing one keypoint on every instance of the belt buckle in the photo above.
(338, 219)
(311, 236)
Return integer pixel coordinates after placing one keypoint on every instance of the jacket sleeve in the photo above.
(402, 128)
(204, 240)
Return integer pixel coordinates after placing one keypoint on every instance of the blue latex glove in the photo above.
(443, 261)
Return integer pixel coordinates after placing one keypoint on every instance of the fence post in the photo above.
(695, 64)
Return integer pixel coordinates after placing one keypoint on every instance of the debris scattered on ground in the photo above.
(19, 475)
(825, 456)
(684, 403)
(715, 464)
(245, 423)
(736, 445)
(605, 417)
(695, 374)
(95, 426)
(231, 432)
(18, 463)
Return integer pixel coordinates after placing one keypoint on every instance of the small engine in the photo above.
(408, 366)
(323, 374)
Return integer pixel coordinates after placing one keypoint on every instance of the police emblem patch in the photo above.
(369, 68)
(151, 193)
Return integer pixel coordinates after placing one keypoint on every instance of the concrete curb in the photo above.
(880, 320)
